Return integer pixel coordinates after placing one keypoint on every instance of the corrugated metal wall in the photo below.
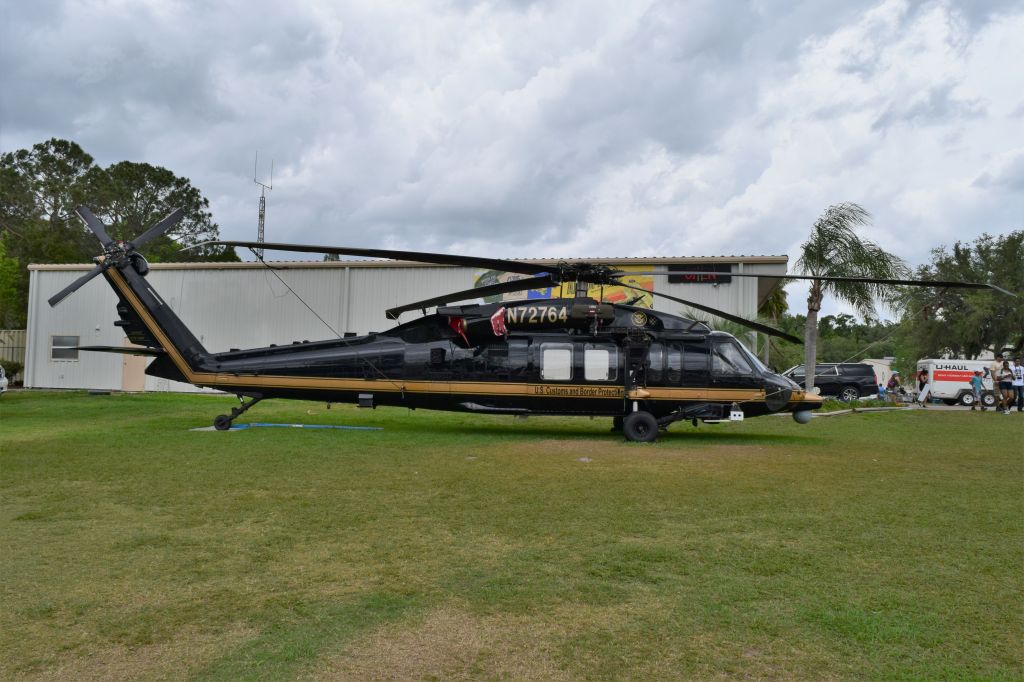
(241, 307)
(12, 348)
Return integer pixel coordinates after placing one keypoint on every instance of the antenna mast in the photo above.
(263, 200)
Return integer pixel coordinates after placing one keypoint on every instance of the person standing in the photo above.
(1018, 382)
(892, 388)
(993, 373)
(977, 386)
(923, 388)
(1005, 379)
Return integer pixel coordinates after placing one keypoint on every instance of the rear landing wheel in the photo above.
(640, 427)
(222, 422)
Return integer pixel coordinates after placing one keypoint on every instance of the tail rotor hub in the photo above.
(116, 252)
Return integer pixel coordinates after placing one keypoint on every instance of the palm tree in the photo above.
(772, 308)
(835, 250)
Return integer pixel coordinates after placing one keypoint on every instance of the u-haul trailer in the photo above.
(951, 380)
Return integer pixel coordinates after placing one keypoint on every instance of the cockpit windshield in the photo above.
(758, 365)
(732, 357)
(728, 357)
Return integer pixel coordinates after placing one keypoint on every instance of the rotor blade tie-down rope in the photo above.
(378, 370)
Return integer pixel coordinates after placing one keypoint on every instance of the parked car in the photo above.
(845, 380)
(3, 381)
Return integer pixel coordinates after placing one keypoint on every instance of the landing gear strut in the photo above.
(222, 422)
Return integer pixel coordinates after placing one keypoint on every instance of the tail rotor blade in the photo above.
(94, 224)
(75, 286)
(159, 228)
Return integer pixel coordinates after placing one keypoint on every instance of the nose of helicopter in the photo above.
(782, 394)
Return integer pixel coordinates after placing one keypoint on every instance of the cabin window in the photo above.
(600, 363)
(727, 358)
(556, 362)
(695, 361)
(655, 363)
(63, 347)
(673, 363)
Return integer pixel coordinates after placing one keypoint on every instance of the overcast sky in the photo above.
(561, 129)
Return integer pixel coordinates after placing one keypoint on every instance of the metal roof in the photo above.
(374, 263)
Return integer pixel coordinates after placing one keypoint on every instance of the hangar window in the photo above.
(556, 361)
(63, 347)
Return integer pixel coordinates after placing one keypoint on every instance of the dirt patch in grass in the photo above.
(452, 644)
(169, 660)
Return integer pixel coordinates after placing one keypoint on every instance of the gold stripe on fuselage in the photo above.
(455, 388)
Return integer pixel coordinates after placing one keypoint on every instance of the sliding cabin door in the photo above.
(680, 364)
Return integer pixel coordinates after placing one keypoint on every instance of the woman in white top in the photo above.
(1005, 379)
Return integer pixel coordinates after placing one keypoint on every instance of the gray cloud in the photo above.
(543, 129)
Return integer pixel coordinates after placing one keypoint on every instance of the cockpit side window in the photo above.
(727, 358)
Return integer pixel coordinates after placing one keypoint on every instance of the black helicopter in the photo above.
(562, 356)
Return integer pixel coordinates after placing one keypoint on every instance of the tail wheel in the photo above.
(222, 422)
(640, 427)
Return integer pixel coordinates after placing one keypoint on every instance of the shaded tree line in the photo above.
(39, 190)
(932, 322)
(967, 322)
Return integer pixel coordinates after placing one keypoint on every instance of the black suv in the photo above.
(847, 380)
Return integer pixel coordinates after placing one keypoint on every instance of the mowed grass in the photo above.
(872, 545)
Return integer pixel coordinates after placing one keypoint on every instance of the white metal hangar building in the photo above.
(250, 305)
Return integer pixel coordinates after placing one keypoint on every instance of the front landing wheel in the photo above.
(640, 427)
(222, 422)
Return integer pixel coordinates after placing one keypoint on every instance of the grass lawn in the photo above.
(872, 545)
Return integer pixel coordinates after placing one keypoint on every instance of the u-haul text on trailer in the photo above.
(951, 380)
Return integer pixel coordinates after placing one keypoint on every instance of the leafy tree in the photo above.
(129, 197)
(835, 250)
(9, 272)
(966, 322)
(771, 309)
(40, 188)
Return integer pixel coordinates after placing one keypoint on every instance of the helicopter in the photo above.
(570, 355)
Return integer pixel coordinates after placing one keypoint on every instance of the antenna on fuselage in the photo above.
(264, 187)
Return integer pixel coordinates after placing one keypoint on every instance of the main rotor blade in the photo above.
(74, 286)
(756, 326)
(480, 292)
(416, 256)
(169, 221)
(866, 280)
(94, 224)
